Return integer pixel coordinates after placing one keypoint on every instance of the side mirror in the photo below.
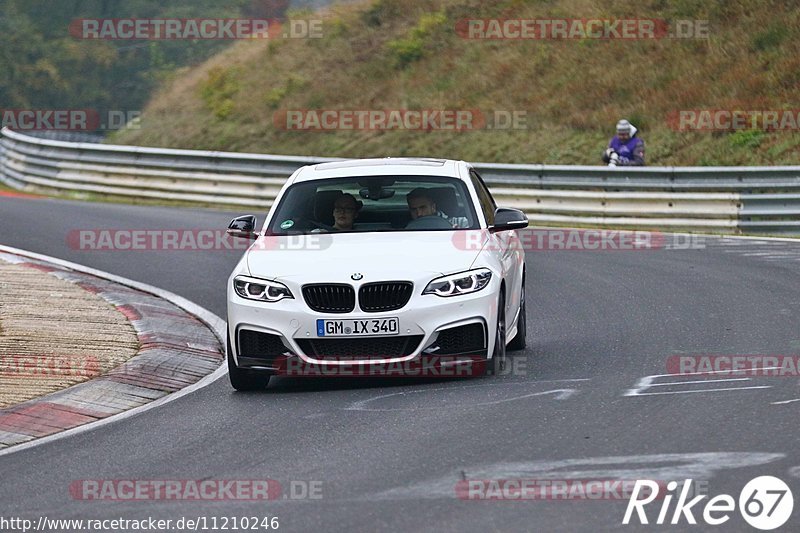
(506, 219)
(243, 227)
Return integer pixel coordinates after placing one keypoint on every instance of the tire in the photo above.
(497, 363)
(519, 341)
(241, 379)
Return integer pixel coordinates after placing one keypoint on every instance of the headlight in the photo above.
(260, 289)
(461, 283)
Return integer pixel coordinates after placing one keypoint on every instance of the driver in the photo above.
(421, 204)
(345, 212)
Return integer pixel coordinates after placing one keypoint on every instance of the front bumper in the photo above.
(449, 330)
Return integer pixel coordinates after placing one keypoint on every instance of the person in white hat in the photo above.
(625, 148)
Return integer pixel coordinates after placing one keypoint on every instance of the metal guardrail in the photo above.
(68, 136)
(717, 199)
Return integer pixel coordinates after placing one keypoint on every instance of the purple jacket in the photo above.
(631, 152)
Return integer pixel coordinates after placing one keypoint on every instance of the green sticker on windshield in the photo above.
(286, 224)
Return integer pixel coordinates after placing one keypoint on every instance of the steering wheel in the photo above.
(429, 222)
(318, 225)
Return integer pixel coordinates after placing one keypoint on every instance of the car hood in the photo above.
(395, 255)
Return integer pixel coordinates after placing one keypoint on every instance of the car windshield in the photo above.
(375, 203)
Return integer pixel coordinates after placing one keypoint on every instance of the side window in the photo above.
(484, 197)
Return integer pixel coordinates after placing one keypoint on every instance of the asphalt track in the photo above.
(389, 452)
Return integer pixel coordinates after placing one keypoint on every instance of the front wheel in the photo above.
(519, 341)
(498, 361)
(242, 379)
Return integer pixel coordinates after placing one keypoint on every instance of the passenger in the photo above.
(421, 204)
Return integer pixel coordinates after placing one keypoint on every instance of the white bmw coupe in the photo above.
(363, 267)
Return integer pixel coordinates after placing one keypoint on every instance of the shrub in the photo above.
(412, 48)
(219, 90)
(746, 138)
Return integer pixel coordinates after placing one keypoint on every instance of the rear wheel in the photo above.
(519, 341)
(242, 379)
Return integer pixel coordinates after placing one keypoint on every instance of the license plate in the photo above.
(353, 327)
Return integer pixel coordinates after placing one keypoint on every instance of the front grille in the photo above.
(260, 345)
(384, 296)
(330, 297)
(360, 348)
(461, 340)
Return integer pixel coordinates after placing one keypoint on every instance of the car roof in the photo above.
(397, 166)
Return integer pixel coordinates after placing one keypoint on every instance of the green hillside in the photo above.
(44, 66)
(392, 54)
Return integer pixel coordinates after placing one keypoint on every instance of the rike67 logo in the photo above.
(765, 503)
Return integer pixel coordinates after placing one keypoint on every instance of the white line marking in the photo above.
(643, 383)
(700, 391)
(751, 238)
(647, 383)
(666, 384)
(561, 394)
(786, 401)
(215, 323)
